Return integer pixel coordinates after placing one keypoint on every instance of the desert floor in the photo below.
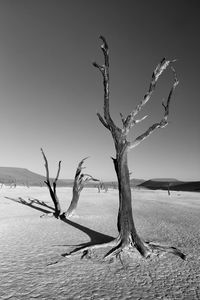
(31, 245)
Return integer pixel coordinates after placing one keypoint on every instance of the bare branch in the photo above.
(105, 50)
(104, 69)
(80, 167)
(58, 172)
(80, 178)
(143, 136)
(140, 120)
(56, 179)
(166, 107)
(52, 191)
(46, 165)
(96, 65)
(122, 119)
(88, 177)
(129, 122)
(164, 120)
(78, 175)
(102, 121)
(79, 183)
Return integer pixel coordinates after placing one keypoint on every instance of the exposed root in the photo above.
(114, 252)
(68, 215)
(48, 215)
(119, 247)
(86, 250)
(156, 249)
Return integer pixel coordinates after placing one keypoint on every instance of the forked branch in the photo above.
(80, 181)
(164, 120)
(52, 191)
(130, 120)
(104, 69)
(80, 178)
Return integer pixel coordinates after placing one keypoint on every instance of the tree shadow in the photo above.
(31, 203)
(95, 236)
(37, 201)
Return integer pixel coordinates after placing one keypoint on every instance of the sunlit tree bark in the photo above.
(80, 180)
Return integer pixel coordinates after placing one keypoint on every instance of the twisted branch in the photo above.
(80, 180)
(164, 120)
(130, 120)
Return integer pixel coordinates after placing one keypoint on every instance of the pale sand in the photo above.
(28, 244)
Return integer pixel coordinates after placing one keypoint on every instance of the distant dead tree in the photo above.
(1, 184)
(114, 185)
(80, 181)
(105, 187)
(102, 186)
(128, 238)
(99, 187)
(168, 188)
(26, 183)
(13, 183)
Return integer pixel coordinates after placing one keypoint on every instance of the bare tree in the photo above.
(52, 189)
(80, 180)
(2, 183)
(168, 188)
(128, 237)
(13, 183)
(102, 186)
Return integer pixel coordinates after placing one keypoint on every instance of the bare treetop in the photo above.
(129, 121)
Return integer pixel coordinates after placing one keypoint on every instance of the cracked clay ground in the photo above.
(30, 244)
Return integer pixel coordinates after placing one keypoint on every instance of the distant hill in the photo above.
(172, 184)
(165, 179)
(21, 176)
(135, 182)
(24, 177)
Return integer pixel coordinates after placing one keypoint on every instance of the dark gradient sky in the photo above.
(50, 92)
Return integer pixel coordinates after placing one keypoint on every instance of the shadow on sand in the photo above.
(95, 236)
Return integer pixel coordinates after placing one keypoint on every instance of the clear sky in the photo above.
(50, 92)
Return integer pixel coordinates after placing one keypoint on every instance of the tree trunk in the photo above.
(74, 202)
(168, 188)
(54, 199)
(125, 223)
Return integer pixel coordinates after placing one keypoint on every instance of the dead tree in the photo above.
(101, 186)
(80, 180)
(128, 238)
(52, 189)
(13, 183)
(1, 183)
(168, 188)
